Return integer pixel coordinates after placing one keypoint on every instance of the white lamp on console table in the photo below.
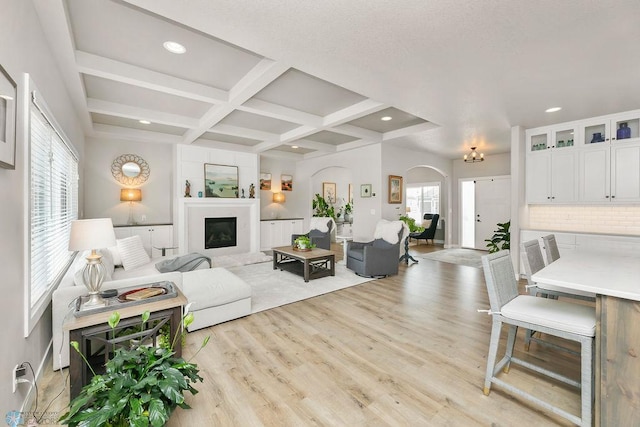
(92, 234)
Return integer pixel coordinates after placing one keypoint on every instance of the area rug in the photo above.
(468, 257)
(273, 288)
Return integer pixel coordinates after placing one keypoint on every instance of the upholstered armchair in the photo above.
(319, 233)
(429, 232)
(379, 257)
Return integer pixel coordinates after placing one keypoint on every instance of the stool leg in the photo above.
(491, 357)
(511, 341)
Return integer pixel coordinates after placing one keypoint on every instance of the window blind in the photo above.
(54, 203)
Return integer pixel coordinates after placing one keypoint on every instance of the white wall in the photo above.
(102, 190)
(24, 49)
(291, 208)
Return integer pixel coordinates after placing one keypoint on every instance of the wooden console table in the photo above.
(92, 333)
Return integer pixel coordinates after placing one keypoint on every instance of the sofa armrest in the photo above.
(357, 245)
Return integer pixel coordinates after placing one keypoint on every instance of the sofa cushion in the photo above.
(115, 255)
(132, 252)
(212, 287)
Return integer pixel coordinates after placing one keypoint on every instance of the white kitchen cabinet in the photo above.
(154, 237)
(277, 232)
(604, 129)
(551, 176)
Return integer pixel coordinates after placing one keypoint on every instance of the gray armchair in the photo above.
(318, 237)
(377, 258)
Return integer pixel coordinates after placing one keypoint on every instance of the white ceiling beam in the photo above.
(356, 144)
(279, 112)
(409, 130)
(54, 21)
(266, 145)
(297, 133)
(353, 112)
(214, 115)
(136, 113)
(283, 155)
(127, 134)
(243, 132)
(125, 73)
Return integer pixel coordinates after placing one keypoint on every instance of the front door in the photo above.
(492, 206)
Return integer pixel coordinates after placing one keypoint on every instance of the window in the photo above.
(53, 204)
(423, 198)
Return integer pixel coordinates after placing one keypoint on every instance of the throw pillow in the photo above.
(388, 231)
(132, 252)
(426, 223)
(115, 255)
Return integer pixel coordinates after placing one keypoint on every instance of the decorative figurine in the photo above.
(252, 191)
(243, 193)
(187, 189)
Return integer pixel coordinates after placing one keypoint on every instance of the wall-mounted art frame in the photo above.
(286, 182)
(265, 181)
(220, 181)
(395, 189)
(329, 192)
(365, 190)
(8, 116)
(350, 194)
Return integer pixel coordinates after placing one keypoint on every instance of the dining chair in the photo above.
(575, 322)
(551, 248)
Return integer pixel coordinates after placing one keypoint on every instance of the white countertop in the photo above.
(600, 273)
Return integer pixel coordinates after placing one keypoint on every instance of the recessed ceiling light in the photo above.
(386, 118)
(145, 122)
(552, 109)
(294, 146)
(174, 47)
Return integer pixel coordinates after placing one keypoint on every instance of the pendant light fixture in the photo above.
(474, 156)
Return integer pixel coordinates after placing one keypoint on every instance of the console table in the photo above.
(92, 333)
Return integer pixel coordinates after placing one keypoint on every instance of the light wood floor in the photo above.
(408, 350)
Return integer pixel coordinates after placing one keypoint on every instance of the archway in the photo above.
(423, 179)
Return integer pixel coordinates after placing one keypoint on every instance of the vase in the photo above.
(597, 137)
(624, 131)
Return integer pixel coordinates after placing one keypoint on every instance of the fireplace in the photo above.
(220, 232)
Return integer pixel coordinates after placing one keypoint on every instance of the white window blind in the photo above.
(54, 202)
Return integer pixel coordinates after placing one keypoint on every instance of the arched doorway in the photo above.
(428, 190)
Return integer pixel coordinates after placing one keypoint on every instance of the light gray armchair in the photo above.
(377, 258)
(320, 233)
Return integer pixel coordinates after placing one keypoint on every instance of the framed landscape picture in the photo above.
(329, 192)
(220, 181)
(265, 181)
(286, 183)
(395, 189)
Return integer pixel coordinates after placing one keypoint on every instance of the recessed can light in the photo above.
(145, 122)
(294, 146)
(552, 109)
(174, 47)
(386, 118)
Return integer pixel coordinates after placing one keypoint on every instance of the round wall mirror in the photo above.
(130, 169)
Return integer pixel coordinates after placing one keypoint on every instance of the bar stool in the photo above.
(574, 322)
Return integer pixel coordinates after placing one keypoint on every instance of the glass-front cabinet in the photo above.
(623, 127)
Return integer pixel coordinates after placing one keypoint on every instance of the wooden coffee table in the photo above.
(308, 264)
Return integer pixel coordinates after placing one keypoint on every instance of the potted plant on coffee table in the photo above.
(303, 243)
(141, 386)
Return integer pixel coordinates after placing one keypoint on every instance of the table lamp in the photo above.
(131, 195)
(92, 234)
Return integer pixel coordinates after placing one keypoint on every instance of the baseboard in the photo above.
(30, 398)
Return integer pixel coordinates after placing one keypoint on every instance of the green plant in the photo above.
(303, 242)
(501, 238)
(322, 208)
(348, 208)
(140, 387)
(411, 223)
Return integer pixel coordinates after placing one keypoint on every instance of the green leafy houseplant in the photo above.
(501, 238)
(322, 208)
(303, 242)
(411, 223)
(140, 387)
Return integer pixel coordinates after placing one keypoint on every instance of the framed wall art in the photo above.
(8, 114)
(395, 189)
(329, 192)
(350, 194)
(286, 182)
(220, 181)
(365, 190)
(265, 181)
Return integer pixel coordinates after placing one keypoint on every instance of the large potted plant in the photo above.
(322, 208)
(141, 386)
(501, 238)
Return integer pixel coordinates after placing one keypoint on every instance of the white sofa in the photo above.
(216, 295)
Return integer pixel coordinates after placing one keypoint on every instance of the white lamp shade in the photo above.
(91, 234)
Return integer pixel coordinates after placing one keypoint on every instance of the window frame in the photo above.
(32, 99)
(421, 185)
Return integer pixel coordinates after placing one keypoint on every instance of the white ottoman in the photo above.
(217, 295)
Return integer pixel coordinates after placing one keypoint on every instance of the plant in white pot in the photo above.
(303, 243)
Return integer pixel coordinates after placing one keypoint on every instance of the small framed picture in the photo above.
(265, 181)
(329, 192)
(350, 194)
(365, 190)
(395, 189)
(286, 182)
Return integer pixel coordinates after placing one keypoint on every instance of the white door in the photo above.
(493, 206)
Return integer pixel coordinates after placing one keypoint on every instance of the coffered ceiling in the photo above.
(319, 76)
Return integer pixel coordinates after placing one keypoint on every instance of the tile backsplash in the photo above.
(624, 220)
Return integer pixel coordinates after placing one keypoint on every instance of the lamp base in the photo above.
(93, 276)
(94, 301)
